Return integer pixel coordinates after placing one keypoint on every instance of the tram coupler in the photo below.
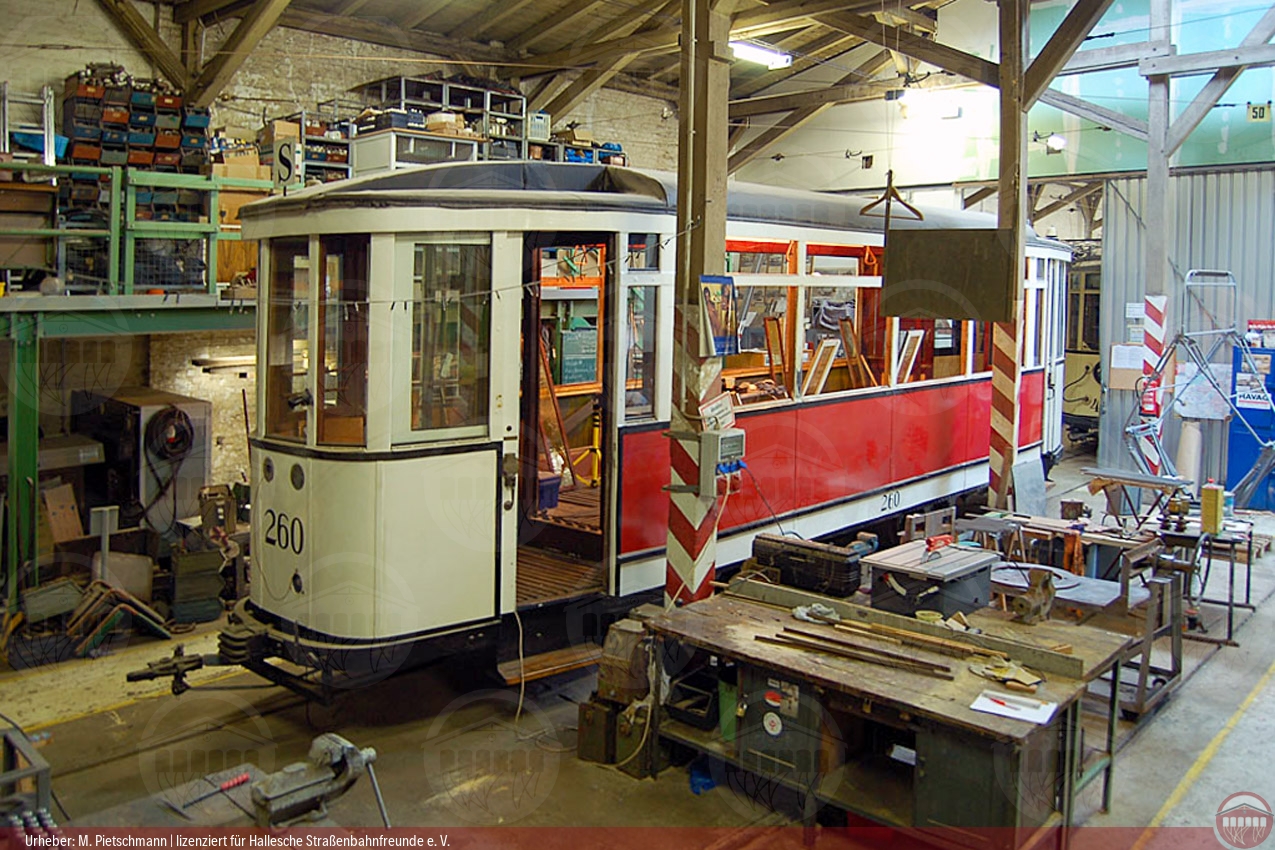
(176, 666)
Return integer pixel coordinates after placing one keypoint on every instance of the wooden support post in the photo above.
(1011, 209)
(701, 241)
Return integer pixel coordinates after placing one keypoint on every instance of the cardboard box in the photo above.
(246, 155)
(278, 130)
(439, 121)
(229, 202)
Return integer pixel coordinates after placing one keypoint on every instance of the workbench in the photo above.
(978, 779)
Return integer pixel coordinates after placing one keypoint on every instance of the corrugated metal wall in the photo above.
(1222, 220)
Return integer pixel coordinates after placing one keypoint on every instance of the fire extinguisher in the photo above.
(1150, 404)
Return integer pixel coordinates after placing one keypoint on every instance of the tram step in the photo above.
(549, 663)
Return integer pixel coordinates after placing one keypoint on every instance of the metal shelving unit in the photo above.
(500, 116)
(326, 140)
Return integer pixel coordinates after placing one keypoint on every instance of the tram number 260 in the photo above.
(285, 532)
(890, 501)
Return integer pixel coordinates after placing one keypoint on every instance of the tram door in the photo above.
(567, 340)
(1054, 358)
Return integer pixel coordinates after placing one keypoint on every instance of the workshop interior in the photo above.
(703, 423)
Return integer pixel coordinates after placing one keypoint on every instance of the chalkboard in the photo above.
(579, 356)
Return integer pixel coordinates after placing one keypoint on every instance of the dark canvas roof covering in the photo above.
(583, 186)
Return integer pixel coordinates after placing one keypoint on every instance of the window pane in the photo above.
(639, 371)
(343, 329)
(451, 335)
(751, 262)
(644, 251)
(287, 340)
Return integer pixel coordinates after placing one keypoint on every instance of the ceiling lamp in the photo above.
(771, 58)
(1054, 142)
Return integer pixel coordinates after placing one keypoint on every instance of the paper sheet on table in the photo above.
(1011, 705)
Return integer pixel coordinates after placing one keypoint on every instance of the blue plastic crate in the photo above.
(196, 118)
(141, 119)
(35, 142)
(115, 138)
(141, 139)
(192, 141)
(142, 98)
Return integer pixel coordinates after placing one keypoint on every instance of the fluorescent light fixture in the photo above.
(750, 52)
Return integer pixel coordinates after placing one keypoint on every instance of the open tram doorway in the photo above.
(567, 366)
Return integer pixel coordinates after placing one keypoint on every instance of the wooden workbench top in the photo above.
(728, 626)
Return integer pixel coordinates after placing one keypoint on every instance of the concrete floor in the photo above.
(451, 754)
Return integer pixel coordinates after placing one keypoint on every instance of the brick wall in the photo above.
(171, 369)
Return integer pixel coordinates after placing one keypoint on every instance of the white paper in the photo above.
(1126, 357)
(1135, 310)
(1195, 396)
(1017, 707)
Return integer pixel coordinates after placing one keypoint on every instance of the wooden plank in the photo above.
(1024, 647)
(826, 47)
(1100, 115)
(728, 626)
(587, 83)
(487, 17)
(547, 26)
(549, 663)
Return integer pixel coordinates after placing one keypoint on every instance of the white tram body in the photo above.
(415, 405)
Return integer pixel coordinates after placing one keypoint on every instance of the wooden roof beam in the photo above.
(541, 29)
(586, 84)
(253, 27)
(1217, 86)
(194, 10)
(824, 48)
(146, 40)
(922, 49)
(1061, 46)
(483, 20)
(1100, 115)
(978, 196)
(1065, 201)
(427, 11)
(798, 117)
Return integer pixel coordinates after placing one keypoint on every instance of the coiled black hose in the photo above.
(169, 437)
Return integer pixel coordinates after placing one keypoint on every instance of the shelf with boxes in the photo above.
(113, 119)
(452, 107)
(325, 142)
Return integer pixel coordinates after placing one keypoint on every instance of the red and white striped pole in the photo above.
(701, 250)
(1152, 394)
(1006, 382)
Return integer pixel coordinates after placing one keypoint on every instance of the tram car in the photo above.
(464, 384)
(1082, 375)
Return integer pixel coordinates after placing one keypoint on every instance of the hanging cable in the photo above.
(169, 438)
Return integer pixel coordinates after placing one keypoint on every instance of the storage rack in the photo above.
(137, 124)
(326, 134)
(500, 116)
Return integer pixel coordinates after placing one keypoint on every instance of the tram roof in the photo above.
(530, 184)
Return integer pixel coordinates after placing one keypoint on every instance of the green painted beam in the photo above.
(64, 324)
(24, 440)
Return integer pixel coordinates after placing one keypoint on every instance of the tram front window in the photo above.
(451, 334)
(287, 347)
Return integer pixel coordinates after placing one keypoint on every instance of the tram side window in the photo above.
(1082, 311)
(639, 370)
(343, 330)
(644, 252)
(451, 335)
(287, 340)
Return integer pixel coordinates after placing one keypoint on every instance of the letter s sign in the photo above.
(285, 162)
